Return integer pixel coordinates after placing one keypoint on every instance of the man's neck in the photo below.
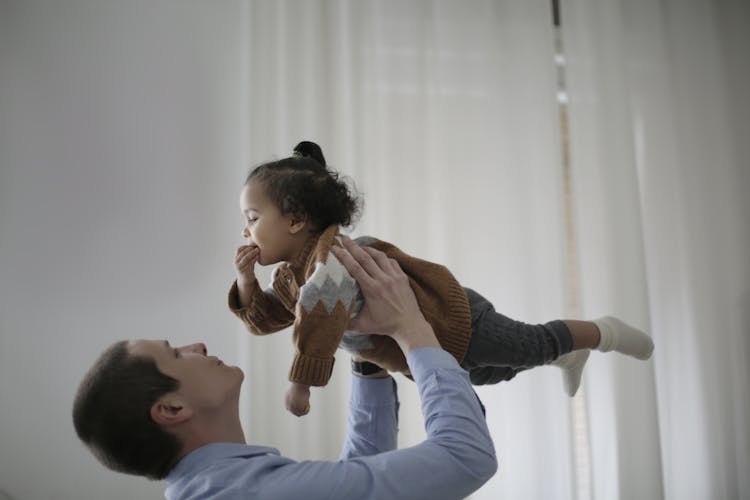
(211, 429)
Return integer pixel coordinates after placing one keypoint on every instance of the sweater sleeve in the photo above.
(264, 314)
(325, 304)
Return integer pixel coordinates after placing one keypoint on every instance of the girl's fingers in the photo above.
(244, 263)
(244, 251)
(245, 248)
(246, 259)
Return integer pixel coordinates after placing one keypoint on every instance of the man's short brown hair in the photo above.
(112, 414)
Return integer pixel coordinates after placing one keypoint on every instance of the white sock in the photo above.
(572, 368)
(621, 337)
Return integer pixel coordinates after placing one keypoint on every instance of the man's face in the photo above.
(205, 382)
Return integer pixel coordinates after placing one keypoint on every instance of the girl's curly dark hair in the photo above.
(303, 185)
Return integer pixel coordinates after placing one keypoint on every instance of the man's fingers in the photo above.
(358, 273)
(355, 325)
(385, 263)
(369, 258)
(363, 258)
(396, 268)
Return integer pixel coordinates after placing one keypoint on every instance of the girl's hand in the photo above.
(244, 264)
(298, 399)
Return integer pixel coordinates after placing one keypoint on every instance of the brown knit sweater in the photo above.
(317, 295)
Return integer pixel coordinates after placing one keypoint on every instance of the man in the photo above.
(150, 409)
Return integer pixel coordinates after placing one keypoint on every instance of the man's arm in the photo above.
(456, 458)
(372, 426)
(390, 306)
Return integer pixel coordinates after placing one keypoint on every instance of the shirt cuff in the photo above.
(373, 391)
(426, 359)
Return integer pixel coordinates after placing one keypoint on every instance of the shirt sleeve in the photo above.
(456, 458)
(372, 425)
(264, 314)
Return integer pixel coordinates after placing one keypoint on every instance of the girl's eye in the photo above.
(252, 220)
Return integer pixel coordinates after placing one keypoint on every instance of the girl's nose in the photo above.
(245, 233)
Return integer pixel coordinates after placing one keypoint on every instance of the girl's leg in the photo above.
(487, 375)
(604, 334)
(572, 369)
(610, 334)
(499, 341)
(585, 334)
(616, 335)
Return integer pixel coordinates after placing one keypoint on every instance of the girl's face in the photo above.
(276, 235)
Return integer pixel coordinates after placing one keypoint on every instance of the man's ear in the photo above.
(170, 411)
(297, 223)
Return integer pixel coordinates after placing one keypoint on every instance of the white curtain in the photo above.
(445, 116)
(126, 129)
(660, 133)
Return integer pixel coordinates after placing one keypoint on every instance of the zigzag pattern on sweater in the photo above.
(329, 283)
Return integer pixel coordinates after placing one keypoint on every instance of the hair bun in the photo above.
(309, 149)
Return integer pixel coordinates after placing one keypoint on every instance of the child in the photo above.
(294, 208)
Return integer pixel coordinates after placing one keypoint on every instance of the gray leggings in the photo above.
(501, 347)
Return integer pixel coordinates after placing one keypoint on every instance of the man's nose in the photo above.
(198, 347)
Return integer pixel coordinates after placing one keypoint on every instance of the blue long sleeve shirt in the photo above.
(456, 458)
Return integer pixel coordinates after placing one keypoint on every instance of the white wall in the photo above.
(121, 142)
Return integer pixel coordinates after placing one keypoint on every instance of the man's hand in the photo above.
(298, 399)
(390, 307)
(389, 300)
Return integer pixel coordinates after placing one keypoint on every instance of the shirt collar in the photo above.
(206, 455)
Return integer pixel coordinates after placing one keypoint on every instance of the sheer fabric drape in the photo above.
(444, 114)
(660, 129)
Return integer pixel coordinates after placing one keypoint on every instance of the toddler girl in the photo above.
(294, 208)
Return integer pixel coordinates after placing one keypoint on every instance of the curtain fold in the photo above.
(623, 419)
(444, 114)
(656, 114)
